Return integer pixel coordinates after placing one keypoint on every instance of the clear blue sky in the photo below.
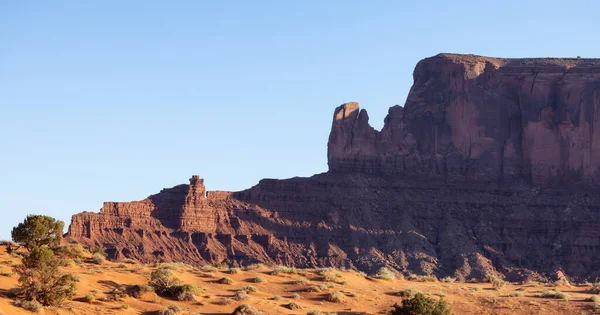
(114, 100)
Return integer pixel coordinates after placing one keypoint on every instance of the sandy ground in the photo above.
(363, 295)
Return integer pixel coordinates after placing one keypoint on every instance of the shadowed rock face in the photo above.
(491, 166)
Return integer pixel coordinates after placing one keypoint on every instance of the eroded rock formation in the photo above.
(491, 166)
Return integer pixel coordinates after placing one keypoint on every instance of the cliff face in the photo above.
(482, 119)
(490, 167)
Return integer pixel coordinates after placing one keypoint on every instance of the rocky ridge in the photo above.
(491, 166)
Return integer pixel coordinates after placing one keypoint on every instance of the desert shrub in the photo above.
(517, 294)
(208, 268)
(421, 305)
(98, 258)
(317, 312)
(448, 279)
(384, 274)
(595, 289)
(293, 306)
(139, 289)
(593, 298)
(335, 297)
(224, 301)
(38, 230)
(125, 306)
(300, 280)
(225, 280)
(322, 271)
(99, 250)
(163, 282)
(89, 298)
(253, 267)
(70, 251)
(283, 269)
(40, 278)
(295, 296)
(32, 306)
(258, 280)
(246, 309)
(234, 271)
(496, 282)
(186, 292)
(171, 310)
(276, 298)
(130, 261)
(555, 295)
(241, 295)
(408, 293)
(250, 288)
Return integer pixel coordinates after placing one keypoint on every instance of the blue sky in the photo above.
(114, 100)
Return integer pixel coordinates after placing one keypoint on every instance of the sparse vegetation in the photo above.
(517, 294)
(250, 288)
(225, 280)
(496, 282)
(234, 271)
(293, 306)
(163, 282)
(408, 293)
(258, 280)
(593, 298)
(41, 280)
(336, 297)
(421, 305)
(38, 231)
(98, 259)
(246, 309)
(283, 269)
(384, 274)
(555, 295)
(32, 306)
(241, 295)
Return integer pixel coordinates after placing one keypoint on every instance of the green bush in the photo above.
(89, 298)
(38, 230)
(258, 280)
(234, 271)
(421, 305)
(163, 282)
(555, 295)
(40, 278)
(384, 274)
(139, 289)
(408, 293)
(496, 282)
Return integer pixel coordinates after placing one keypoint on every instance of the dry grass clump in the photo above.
(555, 295)
(282, 269)
(246, 309)
(384, 274)
(336, 297)
(225, 280)
(32, 306)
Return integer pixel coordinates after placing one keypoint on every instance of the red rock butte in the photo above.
(491, 166)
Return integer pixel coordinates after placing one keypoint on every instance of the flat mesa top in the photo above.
(524, 62)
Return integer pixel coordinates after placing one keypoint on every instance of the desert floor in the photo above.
(363, 295)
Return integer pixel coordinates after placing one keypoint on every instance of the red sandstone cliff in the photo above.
(475, 174)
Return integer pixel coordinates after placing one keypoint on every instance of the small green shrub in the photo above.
(125, 306)
(225, 280)
(408, 293)
(555, 295)
(295, 296)
(250, 288)
(224, 301)
(421, 304)
(258, 280)
(234, 271)
(384, 274)
(300, 280)
(496, 282)
(253, 267)
(276, 298)
(283, 269)
(163, 282)
(89, 298)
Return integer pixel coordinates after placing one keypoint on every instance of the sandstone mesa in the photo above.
(491, 166)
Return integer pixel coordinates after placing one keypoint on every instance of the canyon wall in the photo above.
(491, 166)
